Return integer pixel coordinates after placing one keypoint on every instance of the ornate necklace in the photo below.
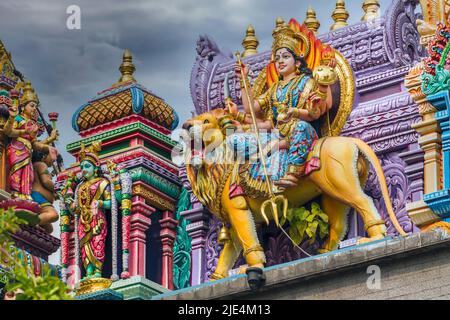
(283, 103)
(84, 202)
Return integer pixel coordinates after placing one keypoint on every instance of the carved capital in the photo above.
(139, 206)
(199, 219)
(413, 83)
(139, 223)
(420, 213)
(152, 198)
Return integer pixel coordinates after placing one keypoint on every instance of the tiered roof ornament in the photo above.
(371, 10)
(124, 98)
(127, 68)
(250, 42)
(340, 15)
(311, 20)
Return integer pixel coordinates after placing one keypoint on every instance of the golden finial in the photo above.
(371, 9)
(279, 22)
(250, 42)
(340, 15)
(127, 67)
(311, 21)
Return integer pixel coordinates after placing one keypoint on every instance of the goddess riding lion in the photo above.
(306, 166)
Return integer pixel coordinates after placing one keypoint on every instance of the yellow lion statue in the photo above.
(343, 173)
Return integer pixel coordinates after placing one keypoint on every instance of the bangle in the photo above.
(242, 82)
(321, 95)
(240, 116)
(313, 112)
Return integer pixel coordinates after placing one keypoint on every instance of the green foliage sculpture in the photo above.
(307, 224)
(182, 246)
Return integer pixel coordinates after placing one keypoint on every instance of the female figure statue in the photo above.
(290, 104)
(23, 129)
(92, 197)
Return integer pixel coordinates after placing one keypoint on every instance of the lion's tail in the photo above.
(373, 159)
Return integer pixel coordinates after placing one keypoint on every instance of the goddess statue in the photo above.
(22, 128)
(92, 198)
(293, 103)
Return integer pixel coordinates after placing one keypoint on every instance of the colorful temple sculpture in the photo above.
(380, 51)
(427, 83)
(362, 119)
(25, 182)
(126, 234)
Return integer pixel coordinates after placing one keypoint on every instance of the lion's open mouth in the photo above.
(197, 148)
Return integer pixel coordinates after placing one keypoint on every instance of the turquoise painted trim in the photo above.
(439, 202)
(176, 120)
(137, 100)
(120, 131)
(156, 181)
(439, 100)
(75, 117)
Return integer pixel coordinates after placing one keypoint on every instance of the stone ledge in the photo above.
(388, 249)
(107, 294)
(138, 288)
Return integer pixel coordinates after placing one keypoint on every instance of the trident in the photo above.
(272, 203)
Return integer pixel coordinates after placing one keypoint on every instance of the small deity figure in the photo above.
(43, 191)
(291, 104)
(22, 128)
(92, 197)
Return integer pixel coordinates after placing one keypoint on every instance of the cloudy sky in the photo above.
(68, 67)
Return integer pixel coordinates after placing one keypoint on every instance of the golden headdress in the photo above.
(28, 94)
(91, 153)
(285, 37)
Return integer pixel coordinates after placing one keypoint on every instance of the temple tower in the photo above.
(134, 126)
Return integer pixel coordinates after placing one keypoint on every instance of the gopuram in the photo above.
(306, 167)
(122, 235)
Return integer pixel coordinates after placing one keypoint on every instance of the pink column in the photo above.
(136, 142)
(139, 223)
(168, 234)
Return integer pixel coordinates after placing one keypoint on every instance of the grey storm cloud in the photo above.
(68, 67)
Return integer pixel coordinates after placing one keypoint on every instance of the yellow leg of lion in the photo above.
(337, 219)
(338, 178)
(228, 256)
(243, 224)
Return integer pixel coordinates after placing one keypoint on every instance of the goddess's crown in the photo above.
(91, 153)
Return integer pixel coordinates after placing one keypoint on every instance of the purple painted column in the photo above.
(197, 230)
(414, 159)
